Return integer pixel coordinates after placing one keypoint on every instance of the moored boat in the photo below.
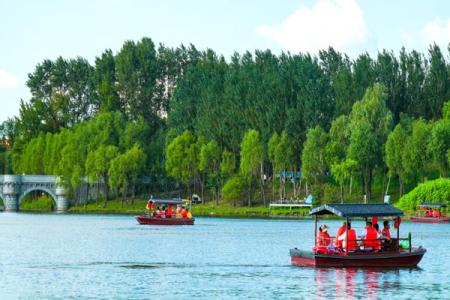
(430, 213)
(392, 253)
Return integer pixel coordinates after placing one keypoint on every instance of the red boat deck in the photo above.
(149, 220)
(442, 219)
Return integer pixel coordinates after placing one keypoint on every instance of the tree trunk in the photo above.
(98, 191)
(363, 183)
(105, 189)
(369, 185)
(273, 183)
(383, 182)
(261, 177)
(133, 192)
(387, 187)
(250, 193)
(342, 192)
(350, 185)
(400, 182)
(87, 195)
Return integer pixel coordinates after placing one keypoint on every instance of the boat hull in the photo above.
(149, 220)
(429, 219)
(401, 259)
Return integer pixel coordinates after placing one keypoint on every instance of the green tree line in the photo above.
(327, 115)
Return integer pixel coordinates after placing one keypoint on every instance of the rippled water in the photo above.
(95, 256)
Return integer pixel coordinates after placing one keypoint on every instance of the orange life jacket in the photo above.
(351, 239)
(323, 239)
(372, 238)
(386, 232)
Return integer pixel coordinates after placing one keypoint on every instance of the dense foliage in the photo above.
(195, 120)
(434, 191)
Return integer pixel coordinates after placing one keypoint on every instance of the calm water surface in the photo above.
(77, 256)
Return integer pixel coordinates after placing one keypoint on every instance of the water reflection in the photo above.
(353, 283)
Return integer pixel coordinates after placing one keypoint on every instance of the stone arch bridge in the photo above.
(13, 188)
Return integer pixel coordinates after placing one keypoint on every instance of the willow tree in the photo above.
(251, 158)
(313, 156)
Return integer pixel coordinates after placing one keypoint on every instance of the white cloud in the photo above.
(7, 80)
(337, 23)
(436, 31)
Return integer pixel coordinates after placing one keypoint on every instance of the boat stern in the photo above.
(302, 258)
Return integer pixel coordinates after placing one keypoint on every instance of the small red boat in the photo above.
(150, 220)
(391, 255)
(430, 213)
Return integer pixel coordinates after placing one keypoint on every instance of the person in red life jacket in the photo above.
(429, 213)
(348, 239)
(169, 212)
(385, 231)
(341, 230)
(370, 236)
(183, 212)
(377, 242)
(435, 213)
(323, 238)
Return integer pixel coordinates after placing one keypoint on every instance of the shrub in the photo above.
(431, 191)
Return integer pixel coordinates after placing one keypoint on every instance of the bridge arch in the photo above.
(13, 188)
(39, 188)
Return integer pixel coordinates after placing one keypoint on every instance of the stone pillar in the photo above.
(11, 190)
(62, 203)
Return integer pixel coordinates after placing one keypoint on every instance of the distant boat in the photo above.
(149, 219)
(422, 217)
(390, 255)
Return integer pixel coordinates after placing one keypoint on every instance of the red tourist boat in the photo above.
(430, 213)
(391, 255)
(151, 219)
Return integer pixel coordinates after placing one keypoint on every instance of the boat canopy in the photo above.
(357, 210)
(435, 205)
(175, 201)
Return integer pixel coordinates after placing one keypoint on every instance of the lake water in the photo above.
(112, 257)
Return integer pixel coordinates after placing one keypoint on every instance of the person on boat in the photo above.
(323, 238)
(162, 212)
(348, 240)
(370, 237)
(341, 230)
(385, 233)
(157, 212)
(183, 212)
(377, 242)
(188, 214)
(435, 213)
(169, 212)
(429, 213)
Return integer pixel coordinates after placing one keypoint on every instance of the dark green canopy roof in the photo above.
(357, 210)
(438, 205)
(175, 201)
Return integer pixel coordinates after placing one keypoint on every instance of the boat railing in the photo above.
(386, 244)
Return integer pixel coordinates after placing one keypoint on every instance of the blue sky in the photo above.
(31, 31)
